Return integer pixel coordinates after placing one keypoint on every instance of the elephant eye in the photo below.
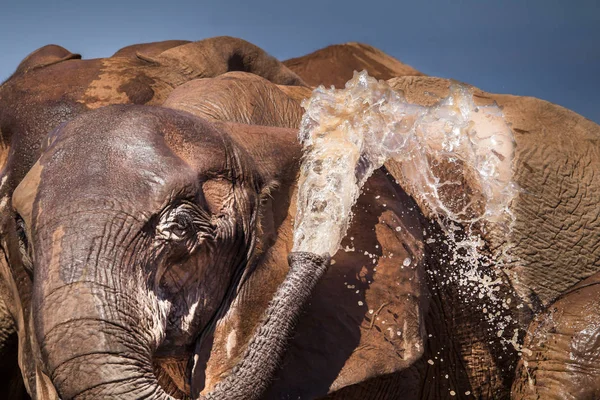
(182, 222)
(23, 244)
(175, 226)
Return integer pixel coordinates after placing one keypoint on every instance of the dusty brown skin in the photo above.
(563, 359)
(555, 245)
(271, 149)
(52, 86)
(334, 65)
(43, 57)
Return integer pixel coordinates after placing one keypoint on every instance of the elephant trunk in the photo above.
(103, 353)
(252, 375)
(93, 352)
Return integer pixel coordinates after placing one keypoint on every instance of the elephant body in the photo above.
(51, 86)
(391, 317)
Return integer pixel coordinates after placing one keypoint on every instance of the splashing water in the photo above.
(348, 133)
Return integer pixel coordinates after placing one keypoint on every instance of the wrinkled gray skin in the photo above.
(141, 245)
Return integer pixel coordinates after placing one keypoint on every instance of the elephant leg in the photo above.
(561, 352)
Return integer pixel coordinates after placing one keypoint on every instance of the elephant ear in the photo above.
(365, 318)
(45, 56)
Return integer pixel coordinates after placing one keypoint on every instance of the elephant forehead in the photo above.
(112, 154)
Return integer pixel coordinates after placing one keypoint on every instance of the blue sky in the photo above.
(543, 48)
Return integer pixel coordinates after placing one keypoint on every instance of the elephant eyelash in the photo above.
(184, 221)
(24, 247)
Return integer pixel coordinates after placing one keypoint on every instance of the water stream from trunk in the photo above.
(349, 133)
(455, 157)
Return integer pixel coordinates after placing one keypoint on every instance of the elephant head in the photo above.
(140, 223)
(53, 86)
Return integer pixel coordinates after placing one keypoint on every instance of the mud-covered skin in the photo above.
(52, 86)
(354, 350)
(554, 245)
(378, 277)
(335, 64)
(152, 49)
(43, 57)
(557, 160)
(45, 93)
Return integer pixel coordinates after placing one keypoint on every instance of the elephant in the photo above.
(52, 86)
(467, 355)
(374, 327)
(109, 321)
(381, 224)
